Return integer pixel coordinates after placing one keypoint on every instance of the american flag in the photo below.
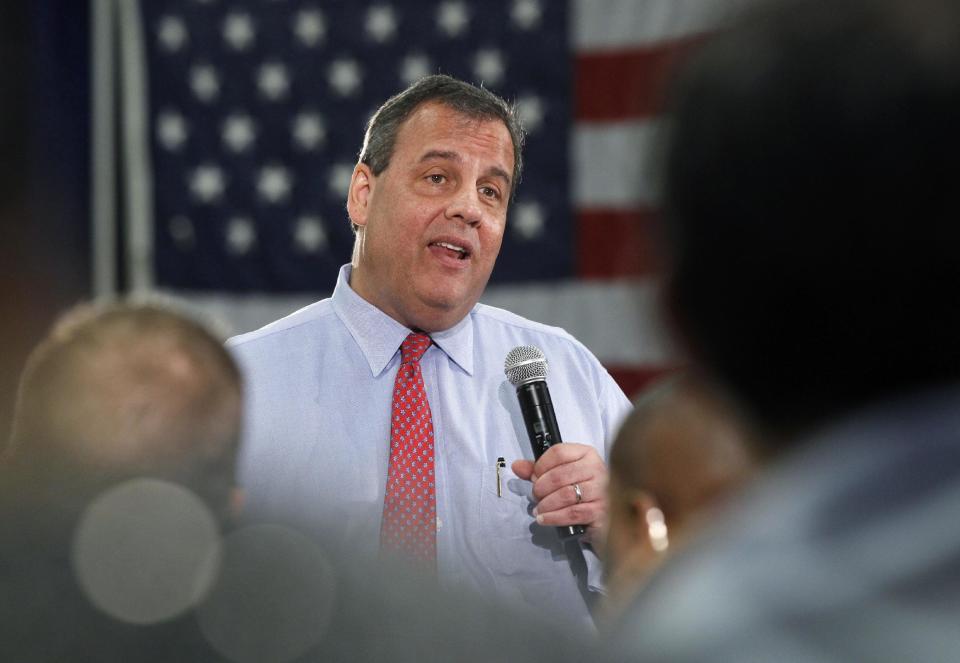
(254, 111)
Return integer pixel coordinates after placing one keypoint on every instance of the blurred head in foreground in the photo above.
(810, 206)
(811, 219)
(123, 391)
(117, 483)
(676, 458)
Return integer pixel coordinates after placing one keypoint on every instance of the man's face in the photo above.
(431, 223)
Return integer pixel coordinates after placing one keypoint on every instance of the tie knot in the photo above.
(413, 347)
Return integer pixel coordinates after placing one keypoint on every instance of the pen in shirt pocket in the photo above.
(501, 463)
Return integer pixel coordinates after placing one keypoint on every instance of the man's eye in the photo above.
(437, 179)
(490, 192)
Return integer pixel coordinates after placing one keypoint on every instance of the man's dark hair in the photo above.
(468, 100)
(810, 205)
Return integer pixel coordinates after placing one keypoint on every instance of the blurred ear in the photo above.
(649, 522)
(630, 555)
(358, 197)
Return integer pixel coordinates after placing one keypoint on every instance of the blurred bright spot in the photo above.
(146, 551)
(274, 598)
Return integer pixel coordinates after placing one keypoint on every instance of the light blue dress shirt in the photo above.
(317, 429)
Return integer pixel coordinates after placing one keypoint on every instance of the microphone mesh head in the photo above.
(525, 363)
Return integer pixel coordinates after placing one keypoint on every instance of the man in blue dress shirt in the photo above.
(428, 201)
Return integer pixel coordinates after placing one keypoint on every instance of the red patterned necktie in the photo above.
(409, 524)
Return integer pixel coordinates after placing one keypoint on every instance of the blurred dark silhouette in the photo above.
(13, 202)
(43, 176)
(810, 207)
(811, 226)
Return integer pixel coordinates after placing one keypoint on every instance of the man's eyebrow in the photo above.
(449, 155)
(497, 171)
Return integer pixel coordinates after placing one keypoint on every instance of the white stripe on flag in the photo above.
(610, 25)
(614, 164)
(617, 320)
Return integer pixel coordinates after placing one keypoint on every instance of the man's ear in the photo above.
(358, 197)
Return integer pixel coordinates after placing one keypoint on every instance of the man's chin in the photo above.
(440, 313)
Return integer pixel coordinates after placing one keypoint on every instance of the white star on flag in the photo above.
(526, 14)
(527, 220)
(207, 183)
(453, 17)
(171, 33)
(381, 23)
(171, 130)
(339, 177)
(308, 130)
(309, 234)
(488, 66)
(530, 110)
(310, 27)
(238, 132)
(273, 183)
(345, 76)
(238, 30)
(241, 235)
(414, 67)
(181, 230)
(204, 82)
(273, 80)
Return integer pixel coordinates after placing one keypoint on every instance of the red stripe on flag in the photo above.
(634, 379)
(616, 243)
(628, 84)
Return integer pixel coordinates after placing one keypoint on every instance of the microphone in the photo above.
(526, 368)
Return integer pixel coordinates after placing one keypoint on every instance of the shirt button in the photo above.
(439, 523)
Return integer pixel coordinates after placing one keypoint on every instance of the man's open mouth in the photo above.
(460, 252)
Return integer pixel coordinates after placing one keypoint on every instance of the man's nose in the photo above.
(465, 205)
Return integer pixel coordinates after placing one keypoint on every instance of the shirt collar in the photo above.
(379, 336)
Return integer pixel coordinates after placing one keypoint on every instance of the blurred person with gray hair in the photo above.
(811, 227)
(124, 390)
(116, 483)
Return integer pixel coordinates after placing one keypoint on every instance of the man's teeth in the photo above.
(452, 247)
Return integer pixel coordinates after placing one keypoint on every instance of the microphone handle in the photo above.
(542, 430)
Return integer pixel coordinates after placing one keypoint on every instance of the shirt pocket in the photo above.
(516, 545)
(506, 513)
